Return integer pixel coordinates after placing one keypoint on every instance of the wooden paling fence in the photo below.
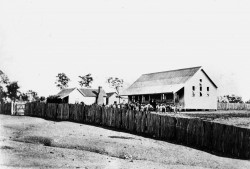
(224, 139)
(205, 135)
(5, 108)
(233, 106)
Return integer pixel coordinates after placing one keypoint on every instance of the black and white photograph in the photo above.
(122, 84)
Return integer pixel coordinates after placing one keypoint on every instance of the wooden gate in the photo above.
(18, 108)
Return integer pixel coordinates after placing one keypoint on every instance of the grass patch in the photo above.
(38, 140)
(121, 137)
(6, 148)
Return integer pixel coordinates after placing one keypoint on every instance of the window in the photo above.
(200, 87)
(207, 91)
(193, 91)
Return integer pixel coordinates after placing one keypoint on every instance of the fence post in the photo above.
(12, 109)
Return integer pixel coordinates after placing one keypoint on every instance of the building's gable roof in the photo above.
(167, 81)
(110, 94)
(91, 92)
(85, 92)
(209, 78)
(65, 92)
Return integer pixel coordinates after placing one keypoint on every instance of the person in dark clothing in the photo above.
(153, 103)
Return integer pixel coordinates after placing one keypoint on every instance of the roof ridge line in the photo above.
(172, 70)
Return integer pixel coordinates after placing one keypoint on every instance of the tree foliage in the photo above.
(116, 83)
(86, 80)
(248, 101)
(4, 78)
(24, 97)
(13, 91)
(62, 81)
(53, 99)
(33, 96)
(42, 99)
(231, 99)
(4, 81)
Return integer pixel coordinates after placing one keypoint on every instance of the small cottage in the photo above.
(87, 96)
(189, 88)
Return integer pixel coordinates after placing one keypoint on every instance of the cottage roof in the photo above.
(85, 92)
(65, 92)
(91, 92)
(110, 94)
(162, 82)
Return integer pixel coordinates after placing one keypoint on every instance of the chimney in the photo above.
(100, 99)
(99, 89)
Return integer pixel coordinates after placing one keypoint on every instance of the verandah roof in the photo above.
(154, 90)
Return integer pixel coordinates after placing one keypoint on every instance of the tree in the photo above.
(4, 80)
(12, 91)
(42, 98)
(86, 80)
(234, 99)
(54, 99)
(116, 83)
(62, 81)
(248, 101)
(33, 96)
(24, 97)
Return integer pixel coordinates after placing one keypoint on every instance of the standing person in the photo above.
(151, 102)
(154, 104)
(115, 105)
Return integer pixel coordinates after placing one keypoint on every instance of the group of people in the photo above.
(151, 106)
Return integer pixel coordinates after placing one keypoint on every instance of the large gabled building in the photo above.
(189, 88)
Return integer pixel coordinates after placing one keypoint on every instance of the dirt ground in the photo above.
(28, 142)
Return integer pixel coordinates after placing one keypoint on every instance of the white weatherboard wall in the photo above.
(75, 97)
(204, 101)
(114, 98)
(89, 100)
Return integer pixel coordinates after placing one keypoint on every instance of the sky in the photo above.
(124, 38)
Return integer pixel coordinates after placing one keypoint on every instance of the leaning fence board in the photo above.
(143, 122)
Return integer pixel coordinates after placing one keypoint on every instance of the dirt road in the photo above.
(28, 142)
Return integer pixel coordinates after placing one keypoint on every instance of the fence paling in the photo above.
(5, 108)
(233, 106)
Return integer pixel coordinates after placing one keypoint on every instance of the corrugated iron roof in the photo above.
(161, 82)
(85, 92)
(92, 92)
(65, 92)
(110, 94)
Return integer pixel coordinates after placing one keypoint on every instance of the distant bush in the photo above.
(54, 99)
(230, 99)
